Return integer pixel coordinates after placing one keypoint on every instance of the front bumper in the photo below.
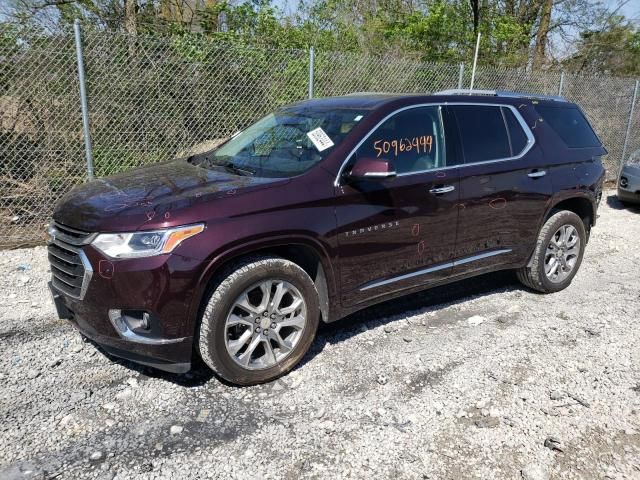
(627, 196)
(629, 186)
(163, 286)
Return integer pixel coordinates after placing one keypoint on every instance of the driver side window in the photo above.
(412, 140)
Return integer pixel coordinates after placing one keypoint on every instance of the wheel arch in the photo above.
(303, 251)
(581, 205)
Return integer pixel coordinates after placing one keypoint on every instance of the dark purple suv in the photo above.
(320, 209)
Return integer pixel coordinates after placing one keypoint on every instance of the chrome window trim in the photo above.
(436, 268)
(529, 134)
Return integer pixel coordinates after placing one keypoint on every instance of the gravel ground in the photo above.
(482, 379)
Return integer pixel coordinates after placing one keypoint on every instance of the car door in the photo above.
(504, 188)
(400, 232)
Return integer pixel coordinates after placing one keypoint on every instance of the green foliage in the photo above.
(427, 30)
(111, 159)
(441, 34)
(614, 49)
(251, 23)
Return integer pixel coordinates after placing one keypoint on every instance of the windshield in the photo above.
(283, 144)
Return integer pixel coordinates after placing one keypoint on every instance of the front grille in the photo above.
(70, 268)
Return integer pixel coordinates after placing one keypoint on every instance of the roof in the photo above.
(372, 100)
(365, 101)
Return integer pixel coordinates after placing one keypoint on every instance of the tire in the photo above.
(534, 275)
(229, 317)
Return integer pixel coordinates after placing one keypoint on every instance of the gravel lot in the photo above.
(482, 379)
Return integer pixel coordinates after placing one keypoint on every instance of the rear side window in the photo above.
(517, 136)
(570, 124)
(483, 133)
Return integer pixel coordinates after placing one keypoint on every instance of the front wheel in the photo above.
(558, 253)
(259, 320)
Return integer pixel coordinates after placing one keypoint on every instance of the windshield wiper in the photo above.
(238, 170)
(210, 162)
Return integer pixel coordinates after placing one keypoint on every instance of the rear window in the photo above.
(570, 124)
(483, 133)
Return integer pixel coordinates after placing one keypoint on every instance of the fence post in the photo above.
(83, 100)
(629, 124)
(461, 75)
(475, 62)
(561, 86)
(311, 66)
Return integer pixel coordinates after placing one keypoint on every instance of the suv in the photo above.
(320, 209)
(629, 180)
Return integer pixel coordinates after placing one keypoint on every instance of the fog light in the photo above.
(145, 321)
(138, 326)
(624, 183)
(135, 320)
(117, 320)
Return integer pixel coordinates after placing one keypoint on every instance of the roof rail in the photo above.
(500, 93)
(358, 94)
(466, 91)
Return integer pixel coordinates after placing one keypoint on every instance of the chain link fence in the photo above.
(41, 143)
(150, 99)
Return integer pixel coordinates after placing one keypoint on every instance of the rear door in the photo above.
(398, 233)
(504, 188)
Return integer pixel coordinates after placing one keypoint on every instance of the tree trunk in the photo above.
(215, 20)
(130, 24)
(510, 7)
(543, 34)
(475, 10)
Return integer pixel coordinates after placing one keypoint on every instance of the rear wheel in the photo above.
(558, 253)
(259, 321)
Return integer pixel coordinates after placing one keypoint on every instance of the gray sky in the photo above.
(631, 10)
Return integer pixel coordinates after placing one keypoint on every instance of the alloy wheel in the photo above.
(562, 253)
(265, 323)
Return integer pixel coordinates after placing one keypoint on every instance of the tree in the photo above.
(475, 8)
(615, 49)
(130, 22)
(515, 33)
(542, 34)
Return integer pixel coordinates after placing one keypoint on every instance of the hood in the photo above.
(157, 196)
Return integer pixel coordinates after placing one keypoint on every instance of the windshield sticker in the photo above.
(358, 118)
(320, 139)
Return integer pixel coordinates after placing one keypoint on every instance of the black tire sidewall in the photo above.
(277, 269)
(559, 219)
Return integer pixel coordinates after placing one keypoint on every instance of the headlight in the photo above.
(144, 244)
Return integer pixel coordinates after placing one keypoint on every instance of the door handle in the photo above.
(444, 189)
(537, 174)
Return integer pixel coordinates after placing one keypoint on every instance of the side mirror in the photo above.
(368, 168)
